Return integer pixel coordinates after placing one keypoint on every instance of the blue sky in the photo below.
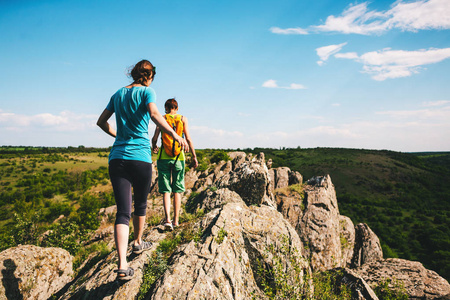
(371, 75)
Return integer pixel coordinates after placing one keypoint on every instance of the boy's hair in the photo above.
(171, 104)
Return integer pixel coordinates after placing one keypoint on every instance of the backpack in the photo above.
(172, 147)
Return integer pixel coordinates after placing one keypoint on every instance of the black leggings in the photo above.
(125, 174)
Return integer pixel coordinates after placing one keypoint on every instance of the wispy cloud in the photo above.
(325, 52)
(358, 19)
(297, 30)
(64, 121)
(389, 63)
(273, 84)
(436, 103)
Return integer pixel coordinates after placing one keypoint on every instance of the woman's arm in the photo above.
(102, 122)
(189, 141)
(164, 126)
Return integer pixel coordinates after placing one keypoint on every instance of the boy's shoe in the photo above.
(168, 226)
(138, 249)
(175, 225)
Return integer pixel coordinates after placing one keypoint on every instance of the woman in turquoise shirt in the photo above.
(130, 157)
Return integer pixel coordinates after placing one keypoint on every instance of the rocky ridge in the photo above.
(260, 224)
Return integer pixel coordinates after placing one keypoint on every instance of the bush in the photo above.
(219, 156)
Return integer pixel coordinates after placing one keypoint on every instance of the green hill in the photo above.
(403, 197)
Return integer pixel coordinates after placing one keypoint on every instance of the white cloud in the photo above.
(389, 63)
(348, 55)
(436, 103)
(296, 30)
(270, 84)
(46, 129)
(273, 84)
(436, 114)
(325, 52)
(65, 121)
(408, 16)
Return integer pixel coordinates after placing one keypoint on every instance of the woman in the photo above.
(130, 157)
(171, 167)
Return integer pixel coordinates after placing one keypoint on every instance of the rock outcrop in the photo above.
(239, 243)
(367, 246)
(418, 282)
(31, 272)
(250, 179)
(319, 227)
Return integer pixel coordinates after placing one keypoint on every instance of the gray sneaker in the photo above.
(138, 249)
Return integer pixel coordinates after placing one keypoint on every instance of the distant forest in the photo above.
(403, 197)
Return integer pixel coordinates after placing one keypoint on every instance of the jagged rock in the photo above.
(99, 281)
(250, 180)
(290, 204)
(357, 286)
(319, 227)
(279, 178)
(347, 237)
(209, 200)
(203, 183)
(269, 163)
(228, 266)
(367, 246)
(237, 158)
(418, 282)
(295, 178)
(190, 178)
(31, 272)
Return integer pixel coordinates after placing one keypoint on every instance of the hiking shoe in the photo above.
(138, 249)
(124, 275)
(168, 226)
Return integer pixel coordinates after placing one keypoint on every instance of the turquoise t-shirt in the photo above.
(132, 118)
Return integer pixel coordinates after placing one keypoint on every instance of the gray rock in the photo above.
(347, 237)
(355, 284)
(281, 177)
(237, 158)
(228, 266)
(250, 180)
(367, 246)
(319, 227)
(208, 200)
(295, 178)
(31, 272)
(190, 178)
(99, 281)
(418, 282)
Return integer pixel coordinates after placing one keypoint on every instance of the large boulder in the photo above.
(31, 272)
(240, 247)
(367, 246)
(99, 282)
(347, 237)
(210, 199)
(250, 180)
(319, 227)
(417, 281)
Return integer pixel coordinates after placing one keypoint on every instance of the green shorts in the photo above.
(171, 176)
